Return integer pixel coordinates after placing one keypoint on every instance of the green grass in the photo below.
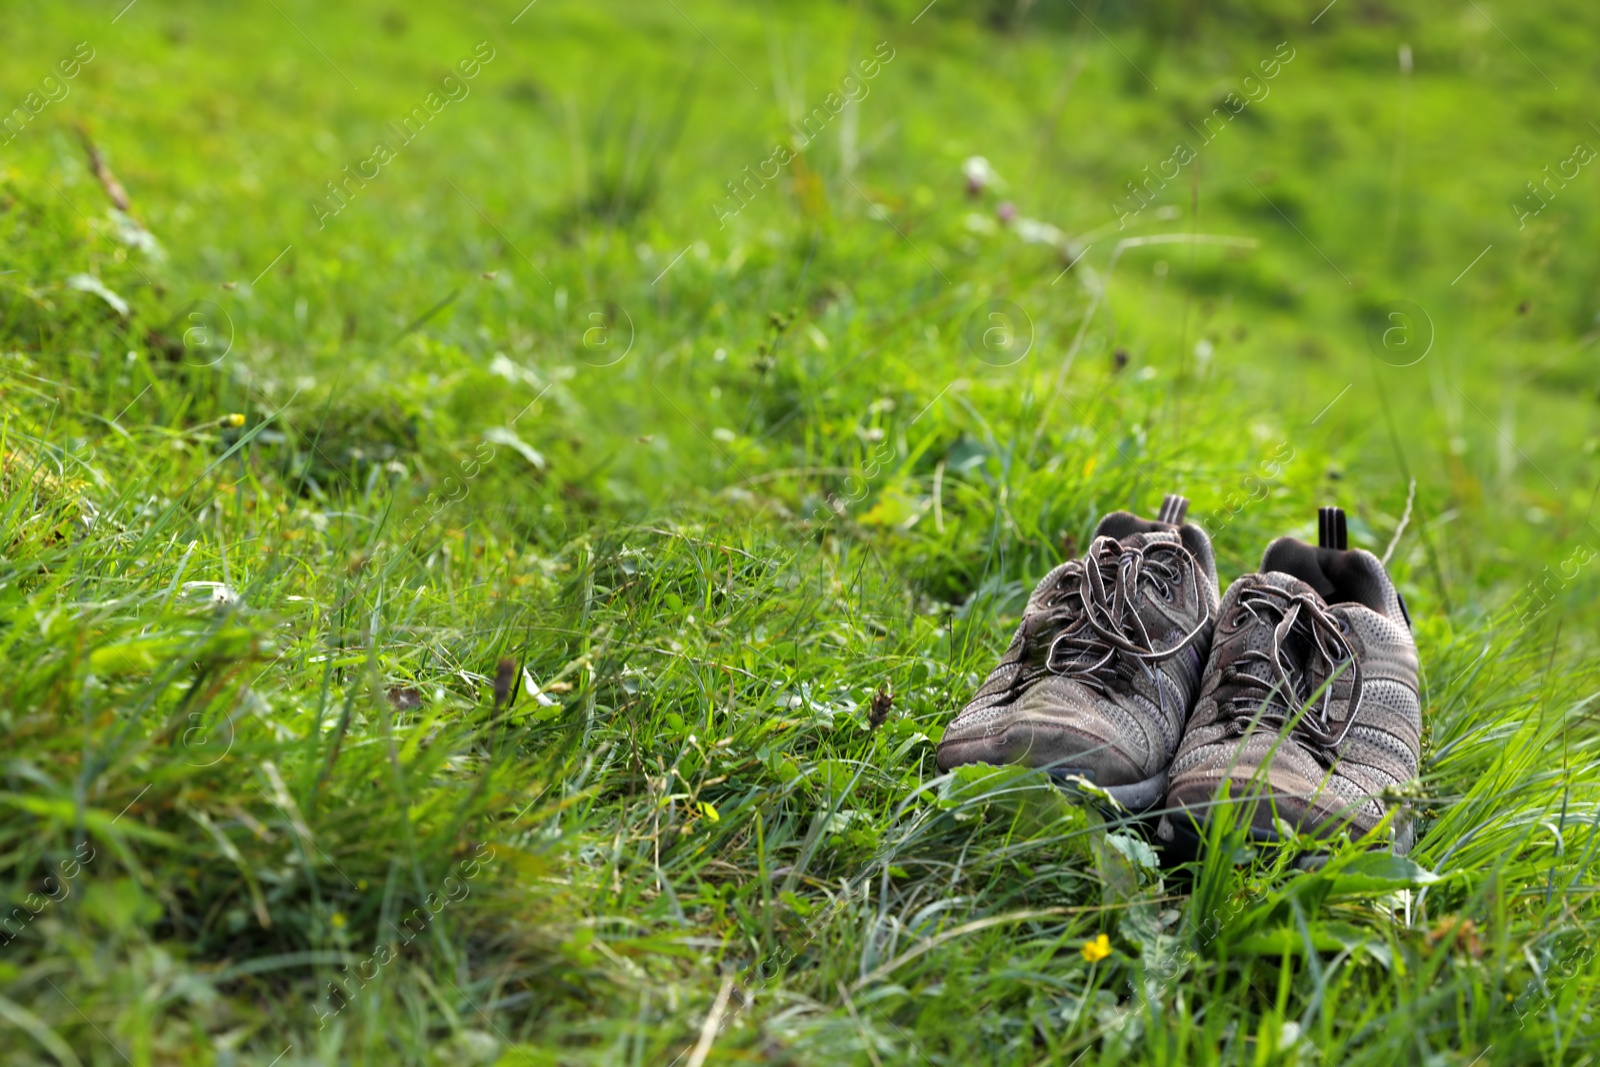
(393, 678)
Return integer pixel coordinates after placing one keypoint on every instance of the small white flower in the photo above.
(980, 175)
(220, 595)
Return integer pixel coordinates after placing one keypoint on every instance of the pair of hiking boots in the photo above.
(1295, 696)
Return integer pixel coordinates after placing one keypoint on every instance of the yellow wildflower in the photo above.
(1097, 949)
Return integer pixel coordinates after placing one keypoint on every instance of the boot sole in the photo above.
(1179, 842)
(1137, 797)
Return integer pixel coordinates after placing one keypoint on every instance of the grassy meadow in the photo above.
(500, 502)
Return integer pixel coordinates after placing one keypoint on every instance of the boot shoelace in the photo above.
(1292, 686)
(1102, 594)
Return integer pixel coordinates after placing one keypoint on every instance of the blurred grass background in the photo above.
(286, 491)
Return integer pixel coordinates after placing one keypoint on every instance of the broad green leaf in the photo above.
(1379, 872)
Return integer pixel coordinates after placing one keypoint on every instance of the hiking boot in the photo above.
(1309, 710)
(1106, 663)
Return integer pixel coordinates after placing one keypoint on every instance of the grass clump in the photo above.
(398, 673)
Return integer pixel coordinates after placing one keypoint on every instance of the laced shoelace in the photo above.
(1293, 686)
(1102, 593)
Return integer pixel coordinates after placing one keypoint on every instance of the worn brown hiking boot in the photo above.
(1101, 674)
(1309, 709)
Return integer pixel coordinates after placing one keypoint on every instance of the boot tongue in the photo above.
(1103, 574)
(1294, 649)
(1147, 538)
(1156, 615)
(1123, 524)
(1266, 633)
(1307, 664)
